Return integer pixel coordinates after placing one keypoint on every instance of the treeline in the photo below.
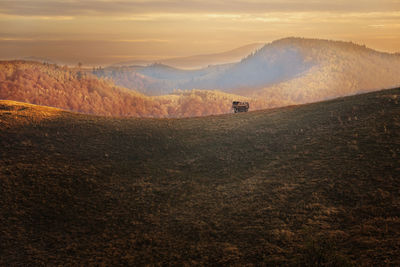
(77, 90)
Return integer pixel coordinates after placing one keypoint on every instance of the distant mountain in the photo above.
(39, 59)
(199, 61)
(295, 69)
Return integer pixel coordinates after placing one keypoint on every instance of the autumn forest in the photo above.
(80, 91)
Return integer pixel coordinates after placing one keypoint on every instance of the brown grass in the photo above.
(314, 185)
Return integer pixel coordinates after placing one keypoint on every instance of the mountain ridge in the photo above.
(328, 67)
(198, 61)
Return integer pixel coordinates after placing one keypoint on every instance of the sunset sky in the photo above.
(103, 31)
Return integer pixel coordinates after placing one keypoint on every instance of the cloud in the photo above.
(124, 7)
(150, 28)
(35, 17)
(139, 40)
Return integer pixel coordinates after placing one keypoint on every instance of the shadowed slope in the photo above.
(297, 185)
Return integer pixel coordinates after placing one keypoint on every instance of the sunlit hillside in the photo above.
(292, 69)
(56, 86)
(76, 90)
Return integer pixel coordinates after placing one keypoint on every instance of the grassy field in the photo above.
(315, 185)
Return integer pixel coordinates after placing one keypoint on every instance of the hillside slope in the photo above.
(303, 185)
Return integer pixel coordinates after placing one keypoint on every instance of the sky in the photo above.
(101, 32)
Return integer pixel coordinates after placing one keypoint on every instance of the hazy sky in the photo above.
(105, 31)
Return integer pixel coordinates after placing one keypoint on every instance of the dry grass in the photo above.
(308, 185)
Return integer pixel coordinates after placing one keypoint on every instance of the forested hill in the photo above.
(77, 90)
(336, 69)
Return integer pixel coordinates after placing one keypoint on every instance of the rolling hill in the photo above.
(291, 69)
(307, 185)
